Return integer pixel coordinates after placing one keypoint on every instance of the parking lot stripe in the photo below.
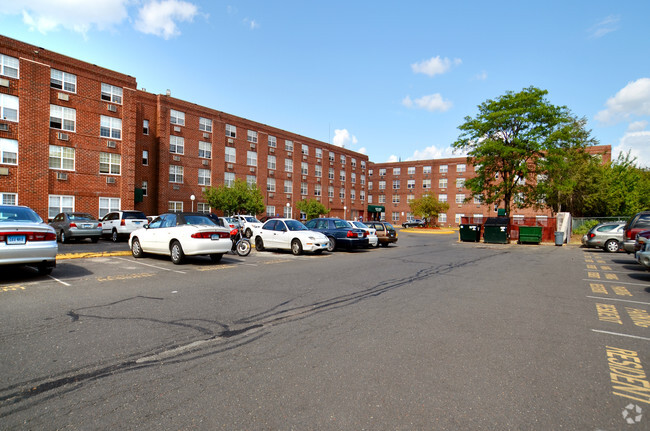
(621, 335)
(618, 300)
(619, 282)
(154, 266)
(57, 280)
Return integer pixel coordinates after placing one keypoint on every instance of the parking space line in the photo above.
(59, 281)
(153, 266)
(618, 300)
(621, 335)
(619, 282)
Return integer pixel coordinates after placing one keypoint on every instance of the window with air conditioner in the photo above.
(62, 158)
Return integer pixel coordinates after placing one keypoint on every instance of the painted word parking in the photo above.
(621, 317)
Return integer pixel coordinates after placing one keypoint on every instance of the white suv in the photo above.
(120, 224)
(248, 224)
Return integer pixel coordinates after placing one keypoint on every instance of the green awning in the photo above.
(376, 209)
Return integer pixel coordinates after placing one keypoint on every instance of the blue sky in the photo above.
(391, 80)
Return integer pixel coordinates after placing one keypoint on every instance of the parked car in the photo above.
(386, 233)
(643, 255)
(120, 224)
(373, 241)
(248, 223)
(339, 233)
(25, 239)
(637, 223)
(607, 236)
(179, 235)
(74, 225)
(641, 239)
(289, 234)
(413, 223)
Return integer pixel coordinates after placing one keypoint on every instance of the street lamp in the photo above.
(192, 199)
(345, 212)
(289, 209)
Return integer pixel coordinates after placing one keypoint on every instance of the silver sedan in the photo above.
(605, 235)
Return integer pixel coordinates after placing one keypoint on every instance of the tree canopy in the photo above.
(428, 207)
(509, 140)
(240, 198)
(312, 208)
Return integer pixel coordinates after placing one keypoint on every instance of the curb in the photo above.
(83, 255)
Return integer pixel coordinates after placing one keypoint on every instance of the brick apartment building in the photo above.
(75, 136)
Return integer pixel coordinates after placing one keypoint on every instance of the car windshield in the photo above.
(81, 216)
(198, 219)
(294, 225)
(389, 226)
(341, 224)
(9, 214)
(359, 225)
(134, 215)
(252, 220)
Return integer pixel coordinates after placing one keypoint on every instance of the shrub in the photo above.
(586, 226)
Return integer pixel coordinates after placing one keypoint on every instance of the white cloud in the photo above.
(431, 102)
(251, 23)
(392, 159)
(160, 17)
(435, 66)
(604, 27)
(343, 138)
(637, 126)
(481, 76)
(638, 144)
(633, 99)
(363, 150)
(428, 153)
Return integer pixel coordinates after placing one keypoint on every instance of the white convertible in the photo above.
(179, 235)
(289, 234)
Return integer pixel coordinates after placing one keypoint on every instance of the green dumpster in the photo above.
(530, 234)
(470, 232)
(495, 230)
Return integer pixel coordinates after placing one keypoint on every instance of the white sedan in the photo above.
(373, 241)
(289, 234)
(179, 235)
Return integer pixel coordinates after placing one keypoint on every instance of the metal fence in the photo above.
(579, 221)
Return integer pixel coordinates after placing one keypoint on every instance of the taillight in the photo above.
(99, 225)
(352, 234)
(73, 224)
(208, 235)
(30, 236)
(123, 222)
(591, 235)
(628, 234)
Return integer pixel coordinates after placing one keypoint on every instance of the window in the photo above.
(443, 169)
(395, 199)
(426, 184)
(353, 162)
(304, 168)
(478, 218)
(382, 199)
(363, 164)
(177, 117)
(270, 163)
(175, 206)
(318, 171)
(369, 199)
(395, 216)
(202, 207)
(410, 184)
(362, 195)
(251, 136)
(442, 218)
(319, 153)
(9, 151)
(8, 199)
(342, 176)
(205, 177)
(342, 193)
(109, 163)
(8, 107)
(353, 194)
(288, 145)
(231, 155)
(229, 179)
(288, 165)
(305, 150)
(382, 185)
(478, 200)
(145, 127)
(110, 127)
(461, 168)
(9, 66)
(460, 183)
(176, 144)
(63, 81)
(442, 197)
(251, 158)
(410, 198)
(61, 158)
(231, 131)
(288, 186)
(331, 157)
(460, 198)
(396, 184)
(317, 190)
(205, 124)
(111, 93)
(459, 218)
(363, 180)
(410, 170)
(330, 191)
(382, 172)
(273, 142)
(270, 185)
(353, 178)
(330, 173)
(205, 150)
(107, 205)
(442, 183)
(303, 189)
(397, 171)
(342, 159)
(145, 188)
(176, 174)
(270, 211)
(58, 204)
(62, 118)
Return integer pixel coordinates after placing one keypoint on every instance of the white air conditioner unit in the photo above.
(252, 146)
(177, 159)
(252, 170)
(111, 144)
(271, 195)
(206, 162)
(289, 153)
(271, 150)
(304, 177)
(318, 180)
(61, 176)
(63, 96)
(231, 141)
(206, 136)
(304, 157)
(177, 129)
(4, 127)
(62, 136)
(4, 83)
(271, 173)
(176, 187)
(110, 180)
(229, 166)
(112, 108)
(288, 174)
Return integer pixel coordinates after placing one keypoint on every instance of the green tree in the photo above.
(312, 208)
(428, 207)
(507, 139)
(240, 198)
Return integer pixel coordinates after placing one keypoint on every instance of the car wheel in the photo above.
(611, 246)
(62, 237)
(331, 245)
(44, 269)
(296, 247)
(259, 243)
(94, 239)
(177, 253)
(136, 249)
(216, 257)
(248, 233)
(114, 236)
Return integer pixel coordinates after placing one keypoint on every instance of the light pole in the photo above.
(345, 212)
(192, 199)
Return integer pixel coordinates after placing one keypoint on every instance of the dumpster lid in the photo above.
(497, 221)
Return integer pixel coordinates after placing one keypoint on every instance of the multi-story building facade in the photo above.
(75, 136)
